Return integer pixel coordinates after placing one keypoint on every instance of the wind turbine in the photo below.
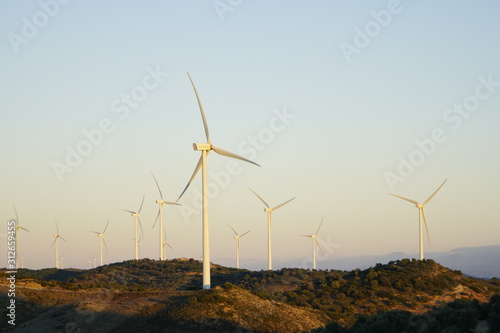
(16, 237)
(314, 243)
(237, 237)
(205, 148)
(102, 240)
(269, 212)
(160, 203)
(421, 214)
(56, 242)
(136, 216)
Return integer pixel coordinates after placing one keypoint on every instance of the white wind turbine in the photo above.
(205, 148)
(237, 237)
(16, 237)
(314, 243)
(421, 214)
(56, 242)
(160, 203)
(102, 240)
(137, 220)
(269, 212)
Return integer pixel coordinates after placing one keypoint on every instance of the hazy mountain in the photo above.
(482, 262)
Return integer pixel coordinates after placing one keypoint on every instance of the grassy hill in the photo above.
(150, 296)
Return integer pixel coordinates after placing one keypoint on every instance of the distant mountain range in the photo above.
(481, 262)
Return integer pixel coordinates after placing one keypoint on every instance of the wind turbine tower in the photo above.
(269, 212)
(137, 220)
(160, 203)
(16, 237)
(101, 241)
(421, 215)
(205, 148)
(56, 243)
(314, 243)
(237, 237)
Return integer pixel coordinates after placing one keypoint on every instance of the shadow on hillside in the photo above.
(48, 274)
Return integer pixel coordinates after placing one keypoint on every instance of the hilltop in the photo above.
(149, 296)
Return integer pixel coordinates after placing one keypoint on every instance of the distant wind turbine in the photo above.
(16, 237)
(237, 237)
(269, 212)
(205, 148)
(314, 243)
(102, 240)
(160, 203)
(56, 242)
(137, 220)
(421, 214)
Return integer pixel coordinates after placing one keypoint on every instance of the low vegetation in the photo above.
(401, 296)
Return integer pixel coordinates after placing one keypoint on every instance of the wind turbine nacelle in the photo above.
(202, 146)
(267, 210)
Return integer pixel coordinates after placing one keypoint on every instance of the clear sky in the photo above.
(340, 102)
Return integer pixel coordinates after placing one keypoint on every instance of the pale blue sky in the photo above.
(350, 121)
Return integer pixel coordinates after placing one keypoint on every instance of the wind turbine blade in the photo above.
(157, 185)
(426, 225)
(140, 225)
(63, 239)
(265, 203)
(284, 203)
(142, 203)
(201, 108)
(223, 152)
(23, 228)
(95, 232)
(233, 230)
(169, 246)
(171, 203)
(17, 217)
(245, 233)
(129, 211)
(433, 194)
(304, 235)
(319, 245)
(198, 166)
(105, 246)
(319, 227)
(106, 228)
(412, 201)
(54, 242)
(156, 220)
